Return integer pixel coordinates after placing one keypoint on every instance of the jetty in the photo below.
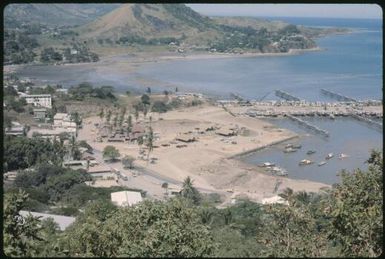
(308, 125)
(286, 96)
(338, 96)
(367, 120)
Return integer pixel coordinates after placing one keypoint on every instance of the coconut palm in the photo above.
(190, 192)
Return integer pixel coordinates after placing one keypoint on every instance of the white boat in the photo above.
(330, 155)
(321, 163)
(342, 156)
(267, 164)
(305, 162)
(289, 146)
(289, 150)
(279, 171)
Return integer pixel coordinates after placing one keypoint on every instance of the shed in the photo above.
(126, 198)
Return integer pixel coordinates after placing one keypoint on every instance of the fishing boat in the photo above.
(321, 163)
(330, 155)
(332, 116)
(342, 156)
(310, 152)
(305, 162)
(289, 145)
(267, 164)
(290, 150)
(297, 146)
(279, 171)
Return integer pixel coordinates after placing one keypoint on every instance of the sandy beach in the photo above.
(208, 159)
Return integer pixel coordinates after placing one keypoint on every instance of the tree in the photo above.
(128, 161)
(108, 116)
(149, 229)
(101, 113)
(145, 99)
(110, 153)
(356, 210)
(165, 186)
(149, 142)
(129, 123)
(190, 192)
(128, 93)
(148, 90)
(19, 233)
(159, 107)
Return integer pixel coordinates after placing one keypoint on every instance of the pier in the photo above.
(338, 96)
(308, 125)
(367, 120)
(286, 96)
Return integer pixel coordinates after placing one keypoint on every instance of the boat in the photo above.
(321, 163)
(297, 146)
(267, 164)
(289, 146)
(290, 150)
(342, 156)
(330, 155)
(305, 162)
(332, 116)
(310, 152)
(279, 171)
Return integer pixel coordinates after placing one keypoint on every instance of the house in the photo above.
(126, 198)
(63, 120)
(40, 100)
(173, 190)
(39, 113)
(76, 164)
(16, 129)
(225, 132)
(62, 221)
(185, 138)
(101, 172)
(10, 175)
(274, 199)
(51, 133)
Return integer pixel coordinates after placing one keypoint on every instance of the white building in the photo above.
(63, 120)
(43, 100)
(62, 221)
(274, 199)
(126, 198)
(16, 130)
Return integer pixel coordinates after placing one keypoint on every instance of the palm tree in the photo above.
(165, 186)
(287, 195)
(189, 191)
(150, 143)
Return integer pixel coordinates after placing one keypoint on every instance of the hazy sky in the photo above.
(299, 10)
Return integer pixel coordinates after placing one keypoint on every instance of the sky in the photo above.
(372, 11)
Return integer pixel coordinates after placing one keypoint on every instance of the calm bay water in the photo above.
(350, 64)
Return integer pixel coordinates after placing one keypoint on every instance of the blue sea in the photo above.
(350, 64)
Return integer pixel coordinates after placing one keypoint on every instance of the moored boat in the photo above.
(310, 152)
(289, 150)
(298, 146)
(305, 162)
(342, 156)
(330, 155)
(267, 164)
(321, 163)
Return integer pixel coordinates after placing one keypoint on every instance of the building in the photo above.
(185, 138)
(63, 120)
(39, 113)
(126, 198)
(40, 100)
(225, 132)
(16, 129)
(101, 172)
(62, 221)
(274, 199)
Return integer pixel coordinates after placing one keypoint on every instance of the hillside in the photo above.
(54, 14)
(151, 21)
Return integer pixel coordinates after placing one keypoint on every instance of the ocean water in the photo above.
(350, 64)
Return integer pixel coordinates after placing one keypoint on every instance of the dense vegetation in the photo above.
(86, 90)
(343, 221)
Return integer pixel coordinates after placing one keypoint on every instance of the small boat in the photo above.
(290, 150)
(310, 152)
(305, 162)
(279, 171)
(289, 146)
(321, 163)
(267, 164)
(297, 146)
(332, 116)
(330, 155)
(342, 156)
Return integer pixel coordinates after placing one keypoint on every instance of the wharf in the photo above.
(286, 96)
(338, 96)
(308, 125)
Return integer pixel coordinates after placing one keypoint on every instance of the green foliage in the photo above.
(23, 152)
(110, 153)
(145, 99)
(19, 233)
(159, 106)
(86, 90)
(190, 192)
(356, 210)
(128, 161)
(150, 229)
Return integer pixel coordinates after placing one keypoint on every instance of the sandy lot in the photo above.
(207, 160)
